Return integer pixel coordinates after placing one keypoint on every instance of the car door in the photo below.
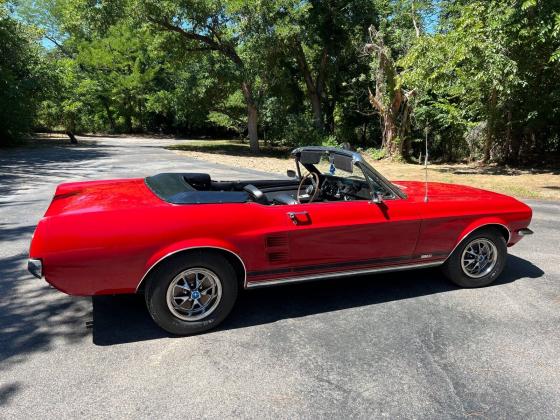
(346, 235)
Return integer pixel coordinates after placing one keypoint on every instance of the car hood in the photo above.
(417, 190)
(92, 196)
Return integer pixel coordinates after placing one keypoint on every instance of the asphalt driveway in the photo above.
(401, 345)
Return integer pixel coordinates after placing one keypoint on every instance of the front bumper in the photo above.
(524, 232)
(35, 267)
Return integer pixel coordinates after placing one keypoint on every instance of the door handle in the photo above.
(293, 215)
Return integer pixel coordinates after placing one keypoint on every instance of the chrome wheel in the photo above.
(194, 294)
(479, 258)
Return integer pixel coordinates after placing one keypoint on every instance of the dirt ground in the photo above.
(522, 183)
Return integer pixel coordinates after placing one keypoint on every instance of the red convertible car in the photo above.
(189, 243)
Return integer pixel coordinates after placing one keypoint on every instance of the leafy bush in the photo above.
(299, 131)
(330, 141)
(377, 154)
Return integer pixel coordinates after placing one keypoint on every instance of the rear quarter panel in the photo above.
(109, 252)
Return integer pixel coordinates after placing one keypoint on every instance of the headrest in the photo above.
(198, 181)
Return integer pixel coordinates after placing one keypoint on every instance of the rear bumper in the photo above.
(524, 232)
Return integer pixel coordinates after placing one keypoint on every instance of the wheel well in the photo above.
(231, 257)
(502, 229)
(498, 227)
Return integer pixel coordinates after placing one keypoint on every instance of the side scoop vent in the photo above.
(277, 257)
(277, 248)
(274, 241)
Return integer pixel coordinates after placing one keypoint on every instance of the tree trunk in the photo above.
(390, 101)
(128, 123)
(363, 136)
(314, 88)
(105, 103)
(329, 115)
(389, 136)
(252, 117)
(515, 148)
(490, 125)
(252, 120)
(317, 109)
(513, 141)
(72, 137)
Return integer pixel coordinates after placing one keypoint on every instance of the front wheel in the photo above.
(191, 294)
(478, 260)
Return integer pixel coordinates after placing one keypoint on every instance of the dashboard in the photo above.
(335, 188)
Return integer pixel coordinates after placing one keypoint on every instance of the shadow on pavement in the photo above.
(7, 392)
(9, 232)
(27, 168)
(34, 316)
(124, 319)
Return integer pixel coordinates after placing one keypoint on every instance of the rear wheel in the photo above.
(191, 294)
(478, 260)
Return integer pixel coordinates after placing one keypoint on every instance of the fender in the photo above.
(477, 224)
(198, 243)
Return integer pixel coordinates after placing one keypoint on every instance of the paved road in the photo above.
(399, 345)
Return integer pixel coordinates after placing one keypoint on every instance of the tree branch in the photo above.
(416, 28)
(304, 67)
(212, 45)
(62, 49)
(186, 34)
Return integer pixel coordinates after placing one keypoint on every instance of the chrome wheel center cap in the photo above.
(195, 294)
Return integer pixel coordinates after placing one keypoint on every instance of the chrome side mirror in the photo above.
(376, 197)
(291, 173)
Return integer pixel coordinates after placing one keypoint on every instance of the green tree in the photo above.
(213, 26)
(489, 65)
(22, 76)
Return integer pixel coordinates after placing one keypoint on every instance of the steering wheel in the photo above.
(312, 190)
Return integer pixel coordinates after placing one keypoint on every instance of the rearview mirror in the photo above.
(291, 173)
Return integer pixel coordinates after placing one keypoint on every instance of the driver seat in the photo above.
(257, 194)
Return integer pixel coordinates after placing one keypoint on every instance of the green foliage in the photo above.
(480, 76)
(330, 141)
(488, 64)
(22, 77)
(377, 154)
(299, 130)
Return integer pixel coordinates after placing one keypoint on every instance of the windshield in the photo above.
(328, 165)
(345, 165)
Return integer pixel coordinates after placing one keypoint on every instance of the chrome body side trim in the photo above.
(289, 280)
(476, 228)
(188, 249)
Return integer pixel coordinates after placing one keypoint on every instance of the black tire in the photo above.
(453, 268)
(159, 281)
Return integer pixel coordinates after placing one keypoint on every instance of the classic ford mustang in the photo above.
(188, 243)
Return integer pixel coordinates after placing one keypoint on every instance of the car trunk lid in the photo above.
(90, 196)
